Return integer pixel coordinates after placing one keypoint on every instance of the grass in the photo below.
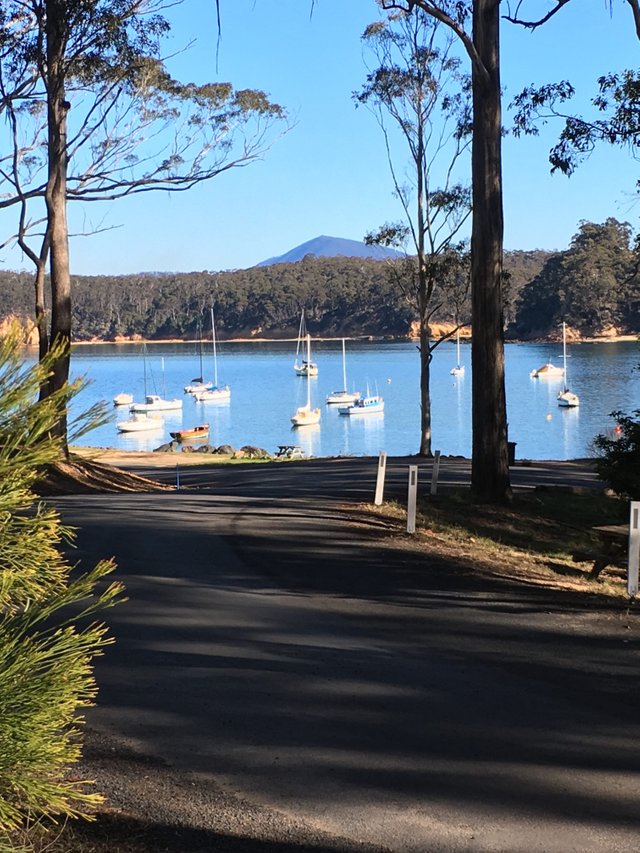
(531, 540)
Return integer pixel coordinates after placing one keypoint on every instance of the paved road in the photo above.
(295, 652)
(353, 478)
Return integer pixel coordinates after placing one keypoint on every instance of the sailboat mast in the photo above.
(215, 354)
(344, 368)
(564, 354)
(458, 345)
(308, 372)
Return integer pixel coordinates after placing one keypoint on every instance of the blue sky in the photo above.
(329, 174)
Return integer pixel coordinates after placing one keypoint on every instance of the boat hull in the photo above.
(366, 406)
(213, 395)
(156, 404)
(140, 423)
(201, 431)
(343, 397)
(305, 417)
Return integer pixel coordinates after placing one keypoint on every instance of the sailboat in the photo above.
(217, 393)
(198, 383)
(458, 370)
(305, 415)
(154, 402)
(305, 367)
(343, 396)
(566, 399)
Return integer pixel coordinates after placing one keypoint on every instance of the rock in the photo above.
(169, 447)
(252, 452)
(205, 448)
(225, 450)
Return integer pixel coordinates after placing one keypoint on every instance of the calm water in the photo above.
(265, 392)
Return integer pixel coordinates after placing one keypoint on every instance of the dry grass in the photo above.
(531, 540)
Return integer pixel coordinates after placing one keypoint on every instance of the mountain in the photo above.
(331, 247)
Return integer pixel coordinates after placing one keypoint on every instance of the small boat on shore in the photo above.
(200, 431)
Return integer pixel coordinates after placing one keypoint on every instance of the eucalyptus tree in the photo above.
(417, 87)
(476, 24)
(95, 115)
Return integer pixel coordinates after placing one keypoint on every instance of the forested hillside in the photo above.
(591, 285)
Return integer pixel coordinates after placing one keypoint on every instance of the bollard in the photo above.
(411, 498)
(177, 478)
(382, 468)
(435, 472)
(634, 549)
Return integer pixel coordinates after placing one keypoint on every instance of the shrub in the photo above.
(48, 636)
(618, 461)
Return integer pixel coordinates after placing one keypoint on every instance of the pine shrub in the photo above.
(49, 633)
(618, 461)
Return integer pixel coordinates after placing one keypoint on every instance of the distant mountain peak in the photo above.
(332, 247)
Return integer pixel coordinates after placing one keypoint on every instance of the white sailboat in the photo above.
(154, 402)
(304, 367)
(458, 370)
(305, 415)
(198, 383)
(140, 422)
(566, 398)
(344, 396)
(217, 393)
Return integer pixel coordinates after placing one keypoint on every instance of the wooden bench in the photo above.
(614, 551)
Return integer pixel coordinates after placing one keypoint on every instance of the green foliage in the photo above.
(48, 636)
(592, 285)
(350, 296)
(618, 461)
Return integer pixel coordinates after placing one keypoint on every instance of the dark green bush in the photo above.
(618, 455)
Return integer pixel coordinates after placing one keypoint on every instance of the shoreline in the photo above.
(466, 339)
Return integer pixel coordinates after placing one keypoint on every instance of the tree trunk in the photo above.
(425, 369)
(56, 194)
(490, 470)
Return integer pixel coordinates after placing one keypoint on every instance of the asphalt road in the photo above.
(294, 652)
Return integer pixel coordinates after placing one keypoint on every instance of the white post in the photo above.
(634, 549)
(382, 467)
(411, 498)
(435, 472)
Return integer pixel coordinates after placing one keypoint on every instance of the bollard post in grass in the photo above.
(435, 472)
(382, 468)
(411, 498)
(634, 549)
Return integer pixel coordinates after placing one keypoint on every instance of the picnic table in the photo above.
(614, 539)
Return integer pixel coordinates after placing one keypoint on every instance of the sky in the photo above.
(328, 175)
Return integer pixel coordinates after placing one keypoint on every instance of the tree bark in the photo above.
(490, 469)
(56, 194)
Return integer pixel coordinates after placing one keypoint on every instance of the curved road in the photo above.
(293, 651)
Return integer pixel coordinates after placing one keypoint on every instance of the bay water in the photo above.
(265, 392)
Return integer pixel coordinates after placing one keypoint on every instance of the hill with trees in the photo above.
(592, 285)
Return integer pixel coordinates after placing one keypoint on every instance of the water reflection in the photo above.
(308, 438)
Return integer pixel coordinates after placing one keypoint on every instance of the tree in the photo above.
(48, 638)
(417, 83)
(588, 286)
(489, 467)
(116, 124)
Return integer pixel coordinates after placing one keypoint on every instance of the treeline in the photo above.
(591, 286)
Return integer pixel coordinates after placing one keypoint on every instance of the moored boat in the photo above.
(305, 415)
(140, 422)
(200, 431)
(547, 371)
(566, 399)
(304, 367)
(123, 399)
(155, 403)
(344, 396)
(365, 406)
